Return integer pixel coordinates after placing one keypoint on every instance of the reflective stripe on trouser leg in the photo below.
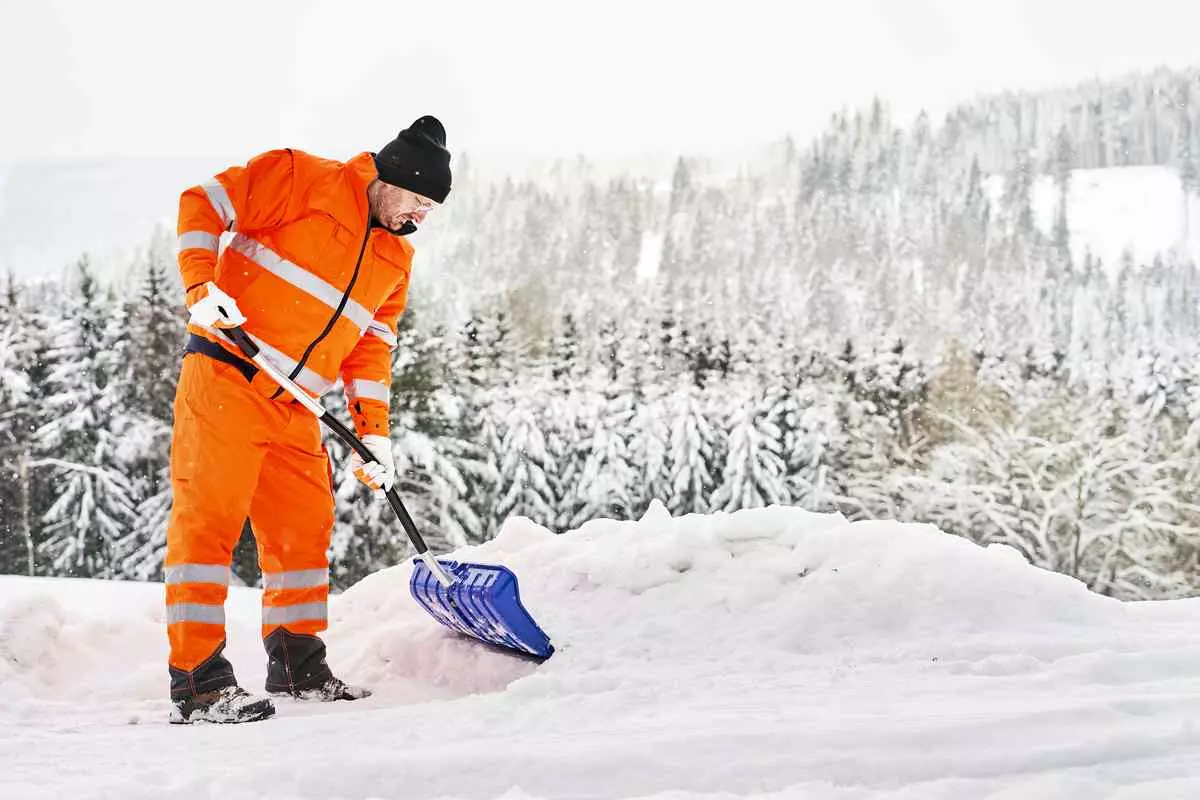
(296, 598)
(198, 573)
(296, 579)
(210, 613)
(301, 610)
(296, 616)
(196, 626)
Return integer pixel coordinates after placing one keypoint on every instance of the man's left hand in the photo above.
(378, 476)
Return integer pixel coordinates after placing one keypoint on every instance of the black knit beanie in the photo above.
(418, 160)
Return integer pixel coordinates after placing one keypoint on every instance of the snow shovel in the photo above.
(479, 600)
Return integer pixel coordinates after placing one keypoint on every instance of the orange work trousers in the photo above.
(235, 453)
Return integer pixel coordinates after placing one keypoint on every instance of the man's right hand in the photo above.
(213, 308)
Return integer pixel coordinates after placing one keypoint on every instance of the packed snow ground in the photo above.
(765, 654)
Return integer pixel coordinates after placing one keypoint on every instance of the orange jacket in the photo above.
(320, 287)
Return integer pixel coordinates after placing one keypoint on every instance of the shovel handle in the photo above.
(253, 352)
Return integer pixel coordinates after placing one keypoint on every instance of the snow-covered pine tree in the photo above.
(1123, 513)
(151, 373)
(457, 464)
(139, 554)
(886, 388)
(607, 480)
(468, 382)
(492, 365)
(79, 443)
(650, 429)
(693, 449)
(851, 446)
(433, 462)
(525, 465)
(156, 334)
(485, 486)
(754, 468)
(804, 404)
(17, 351)
(32, 317)
(569, 418)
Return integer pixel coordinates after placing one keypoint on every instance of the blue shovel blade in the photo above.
(483, 603)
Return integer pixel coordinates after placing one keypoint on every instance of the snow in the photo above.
(649, 256)
(1109, 211)
(768, 653)
(1141, 209)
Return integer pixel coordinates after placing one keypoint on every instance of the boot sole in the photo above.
(252, 713)
(301, 698)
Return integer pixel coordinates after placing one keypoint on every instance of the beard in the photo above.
(406, 227)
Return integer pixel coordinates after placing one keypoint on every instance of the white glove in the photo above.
(216, 309)
(378, 477)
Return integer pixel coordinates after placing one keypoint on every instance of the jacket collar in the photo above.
(350, 182)
(362, 167)
(353, 179)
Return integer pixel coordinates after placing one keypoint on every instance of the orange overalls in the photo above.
(321, 289)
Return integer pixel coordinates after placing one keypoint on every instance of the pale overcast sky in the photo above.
(117, 77)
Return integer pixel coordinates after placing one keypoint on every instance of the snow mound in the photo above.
(94, 647)
(766, 653)
(752, 584)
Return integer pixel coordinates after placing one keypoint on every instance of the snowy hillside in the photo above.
(765, 654)
(1140, 209)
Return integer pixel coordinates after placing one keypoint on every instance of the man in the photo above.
(317, 273)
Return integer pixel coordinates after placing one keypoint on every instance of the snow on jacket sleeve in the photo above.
(244, 198)
(367, 371)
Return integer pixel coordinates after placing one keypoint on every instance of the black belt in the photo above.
(198, 344)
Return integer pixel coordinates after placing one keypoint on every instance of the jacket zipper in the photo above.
(336, 313)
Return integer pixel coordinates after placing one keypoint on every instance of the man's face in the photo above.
(392, 206)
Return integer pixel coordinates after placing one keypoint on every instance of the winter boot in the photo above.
(296, 668)
(330, 690)
(229, 704)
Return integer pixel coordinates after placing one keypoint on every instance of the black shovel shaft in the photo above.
(247, 346)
